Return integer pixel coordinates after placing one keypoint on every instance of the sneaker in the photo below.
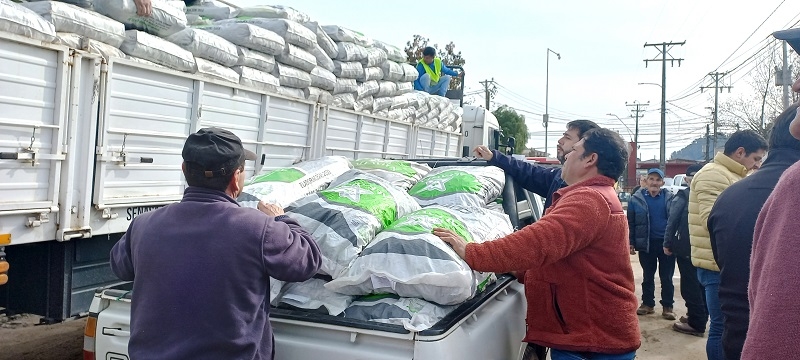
(684, 319)
(668, 314)
(686, 329)
(645, 310)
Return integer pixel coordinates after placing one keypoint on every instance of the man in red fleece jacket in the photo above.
(574, 261)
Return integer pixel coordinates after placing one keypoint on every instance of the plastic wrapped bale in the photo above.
(254, 59)
(205, 45)
(346, 216)
(345, 86)
(286, 185)
(19, 20)
(401, 173)
(213, 10)
(291, 92)
(368, 88)
(411, 313)
(148, 47)
(292, 32)
(371, 73)
(387, 88)
(380, 104)
(350, 52)
(291, 77)
(473, 186)
(323, 40)
(318, 95)
(274, 12)
(404, 88)
(257, 78)
(80, 42)
(215, 70)
(164, 19)
(410, 73)
(297, 58)
(392, 71)
(408, 260)
(347, 70)
(344, 101)
(393, 53)
(322, 58)
(73, 19)
(374, 57)
(342, 34)
(249, 36)
(323, 79)
(313, 296)
(363, 104)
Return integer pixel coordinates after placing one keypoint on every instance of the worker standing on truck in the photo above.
(201, 268)
(434, 76)
(540, 180)
(574, 261)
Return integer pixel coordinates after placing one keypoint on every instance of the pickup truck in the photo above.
(676, 184)
(489, 326)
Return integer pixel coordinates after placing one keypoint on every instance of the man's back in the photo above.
(201, 277)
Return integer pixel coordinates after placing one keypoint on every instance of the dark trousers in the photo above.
(693, 293)
(665, 264)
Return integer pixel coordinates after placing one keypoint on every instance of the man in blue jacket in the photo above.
(540, 180)
(201, 268)
(434, 76)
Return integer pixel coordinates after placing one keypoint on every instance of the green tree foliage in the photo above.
(512, 124)
(449, 56)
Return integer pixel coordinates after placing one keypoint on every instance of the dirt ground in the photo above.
(21, 339)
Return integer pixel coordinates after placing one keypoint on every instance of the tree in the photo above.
(512, 124)
(449, 57)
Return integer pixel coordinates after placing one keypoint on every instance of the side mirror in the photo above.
(512, 143)
(496, 137)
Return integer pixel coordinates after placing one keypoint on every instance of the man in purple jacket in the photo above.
(200, 268)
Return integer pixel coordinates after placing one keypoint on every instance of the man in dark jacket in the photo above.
(201, 268)
(647, 223)
(676, 242)
(731, 226)
(543, 181)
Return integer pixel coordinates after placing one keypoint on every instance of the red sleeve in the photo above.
(568, 227)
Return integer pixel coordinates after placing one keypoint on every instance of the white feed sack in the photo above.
(374, 57)
(19, 20)
(254, 59)
(408, 260)
(249, 36)
(404, 88)
(212, 69)
(342, 34)
(317, 95)
(291, 77)
(286, 185)
(398, 102)
(149, 47)
(297, 57)
(345, 86)
(205, 45)
(410, 73)
(351, 52)
(198, 21)
(257, 79)
(291, 92)
(347, 70)
(312, 295)
(473, 186)
(393, 53)
(392, 71)
(292, 32)
(387, 88)
(411, 313)
(368, 88)
(323, 79)
(73, 19)
(381, 104)
(322, 58)
(85, 4)
(164, 19)
(371, 73)
(344, 100)
(212, 10)
(346, 216)
(323, 40)
(274, 12)
(401, 173)
(364, 103)
(81, 42)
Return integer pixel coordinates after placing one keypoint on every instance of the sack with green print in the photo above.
(286, 185)
(413, 314)
(312, 295)
(348, 214)
(474, 186)
(401, 173)
(408, 260)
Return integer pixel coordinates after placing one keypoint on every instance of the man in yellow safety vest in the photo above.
(434, 76)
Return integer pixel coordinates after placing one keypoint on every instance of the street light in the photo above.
(663, 161)
(546, 116)
(623, 123)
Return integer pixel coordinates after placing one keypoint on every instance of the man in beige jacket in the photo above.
(743, 152)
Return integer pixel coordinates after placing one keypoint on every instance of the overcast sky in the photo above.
(602, 48)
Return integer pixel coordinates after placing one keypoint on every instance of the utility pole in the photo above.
(664, 48)
(485, 84)
(708, 141)
(715, 76)
(637, 113)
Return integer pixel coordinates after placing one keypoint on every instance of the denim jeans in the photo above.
(665, 264)
(439, 88)
(710, 280)
(571, 355)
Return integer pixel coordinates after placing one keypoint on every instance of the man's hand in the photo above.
(456, 242)
(270, 209)
(483, 152)
(667, 251)
(633, 250)
(143, 7)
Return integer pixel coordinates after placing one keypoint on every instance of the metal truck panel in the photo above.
(355, 136)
